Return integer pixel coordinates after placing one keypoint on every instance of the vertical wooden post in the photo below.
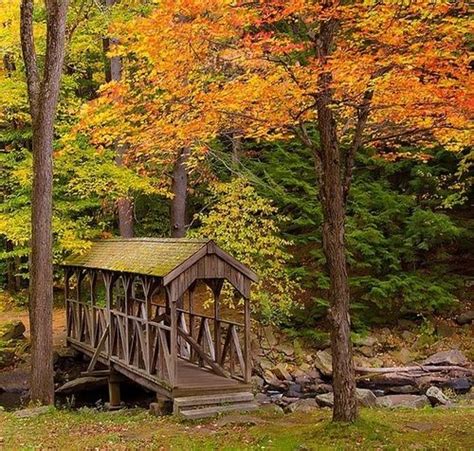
(66, 300)
(247, 350)
(128, 283)
(108, 282)
(216, 287)
(191, 318)
(114, 389)
(93, 283)
(171, 301)
(217, 326)
(147, 288)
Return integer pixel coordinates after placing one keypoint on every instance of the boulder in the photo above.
(12, 330)
(452, 357)
(325, 400)
(436, 396)
(465, 318)
(366, 351)
(403, 390)
(365, 341)
(32, 412)
(81, 384)
(7, 357)
(365, 398)
(323, 362)
(272, 408)
(281, 372)
(459, 385)
(262, 398)
(302, 405)
(403, 356)
(411, 401)
(294, 391)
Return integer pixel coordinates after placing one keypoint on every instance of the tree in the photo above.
(124, 204)
(43, 93)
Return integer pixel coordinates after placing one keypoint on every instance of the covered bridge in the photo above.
(130, 305)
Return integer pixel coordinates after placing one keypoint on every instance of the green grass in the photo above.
(135, 429)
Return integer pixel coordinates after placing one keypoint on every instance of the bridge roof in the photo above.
(158, 257)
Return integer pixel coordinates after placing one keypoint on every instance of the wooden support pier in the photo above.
(126, 309)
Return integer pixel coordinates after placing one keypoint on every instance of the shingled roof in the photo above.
(148, 256)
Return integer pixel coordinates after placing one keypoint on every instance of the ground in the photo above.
(136, 429)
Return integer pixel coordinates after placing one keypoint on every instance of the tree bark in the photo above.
(43, 95)
(332, 195)
(124, 204)
(179, 188)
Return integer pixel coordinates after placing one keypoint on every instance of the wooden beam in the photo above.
(99, 349)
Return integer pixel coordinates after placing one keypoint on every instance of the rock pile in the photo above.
(302, 383)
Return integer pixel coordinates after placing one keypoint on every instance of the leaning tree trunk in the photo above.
(179, 188)
(43, 93)
(333, 200)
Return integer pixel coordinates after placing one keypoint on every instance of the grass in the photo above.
(136, 429)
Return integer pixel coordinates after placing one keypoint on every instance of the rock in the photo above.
(323, 362)
(436, 396)
(32, 412)
(320, 388)
(287, 350)
(7, 357)
(272, 408)
(262, 398)
(325, 399)
(403, 356)
(160, 407)
(12, 330)
(452, 357)
(367, 351)
(281, 372)
(366, 398)
(408, 336)
(444, 329)
(403, 389)
(314, 374)
(365, 341)
(465, 318)
(459, 385)
(258, 382)
(412, 401)
(302, 405)
(294, 391)
(266, 365)
(87, 383)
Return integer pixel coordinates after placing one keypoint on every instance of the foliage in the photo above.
(246, 225)
(395, 229)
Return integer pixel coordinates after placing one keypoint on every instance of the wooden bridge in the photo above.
(130, 306)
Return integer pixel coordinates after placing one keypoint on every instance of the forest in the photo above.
(324, 144)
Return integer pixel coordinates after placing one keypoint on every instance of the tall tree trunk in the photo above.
(43, 93)
(333, 199)
(179, 188)
(124, 204)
